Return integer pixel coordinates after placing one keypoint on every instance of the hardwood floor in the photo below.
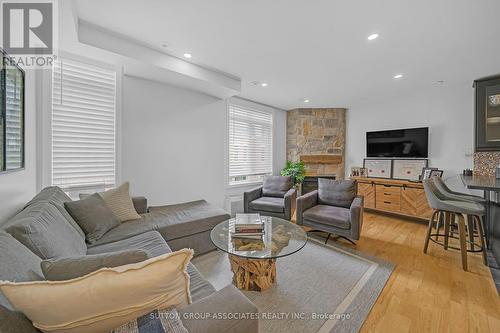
(426, 293)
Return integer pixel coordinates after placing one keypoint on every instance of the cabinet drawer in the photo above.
(387, 189)
(390, 197)
(389, 206)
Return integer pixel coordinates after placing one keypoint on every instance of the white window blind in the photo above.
(250, 144)
(83, 126)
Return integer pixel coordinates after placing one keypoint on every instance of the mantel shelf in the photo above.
(321, 159)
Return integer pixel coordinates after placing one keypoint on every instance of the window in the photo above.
(11, 115)
(83, 126)
(250, 144)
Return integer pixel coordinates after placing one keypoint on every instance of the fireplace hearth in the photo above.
(310, 183)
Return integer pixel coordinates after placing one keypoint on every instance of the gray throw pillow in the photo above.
(68, 268)
(46, 232)
(276, 186)
(338, 193)
(93, 216)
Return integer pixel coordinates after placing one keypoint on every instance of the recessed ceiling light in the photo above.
(187, 55)
(263, 84)
(373, 36)
(398, 76)
(306, 100)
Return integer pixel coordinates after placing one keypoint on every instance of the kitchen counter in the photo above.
(490, 185)
(484, 183)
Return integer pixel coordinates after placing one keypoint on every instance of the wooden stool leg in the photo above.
(480, 229)
(429, 229)
(440, 218)
(470, 230)
(463, 242)
(447, 221)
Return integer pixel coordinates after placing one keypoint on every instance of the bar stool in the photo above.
(458, 209)
(452, 195)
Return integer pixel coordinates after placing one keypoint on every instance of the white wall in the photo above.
(174, 142)
(447, 111)
(18, 187)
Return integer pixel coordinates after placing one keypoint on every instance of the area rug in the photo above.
(321, 288)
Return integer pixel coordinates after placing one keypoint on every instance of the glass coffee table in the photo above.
(254, 267)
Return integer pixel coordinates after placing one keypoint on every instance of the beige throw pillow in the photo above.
(106, 298)
(120, 203)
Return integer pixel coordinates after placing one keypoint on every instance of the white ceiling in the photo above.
(318, 49)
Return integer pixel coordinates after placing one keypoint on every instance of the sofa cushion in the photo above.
(97, 302)
(68, 268)
(330, 215)
(339, 193)
(93, 216)
(55, 196)
(17, 263)
(155, 245)
(51, 194)
(173, 221)
(151, 242)
(227, 300)
(268, 204)
(276, 186)
(43, 229)
(119, 201)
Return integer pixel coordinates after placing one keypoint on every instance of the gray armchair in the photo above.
(333, 208)
(276, 197)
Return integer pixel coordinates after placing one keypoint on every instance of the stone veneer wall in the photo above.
(485, 163)
(314, 132)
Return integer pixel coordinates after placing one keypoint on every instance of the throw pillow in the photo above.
(276, 186)
(105, 299)
(120, 203)
(338, 193)
(68, 268)
(46, 232)
(158, 321)
(93, 216)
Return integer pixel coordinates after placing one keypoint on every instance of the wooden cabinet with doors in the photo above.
(394, 196)
(368, 192)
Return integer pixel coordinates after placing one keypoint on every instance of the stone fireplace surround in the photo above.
(316, 137)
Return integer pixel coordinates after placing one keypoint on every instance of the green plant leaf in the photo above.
(296, 170)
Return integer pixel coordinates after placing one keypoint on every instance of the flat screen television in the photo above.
(409, 143)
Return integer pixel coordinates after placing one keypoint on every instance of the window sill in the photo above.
(257, 183)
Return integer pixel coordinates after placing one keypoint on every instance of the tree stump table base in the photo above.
(253, 274)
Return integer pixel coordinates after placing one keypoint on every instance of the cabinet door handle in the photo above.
(387, 202)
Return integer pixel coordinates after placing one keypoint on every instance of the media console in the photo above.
(393, 196)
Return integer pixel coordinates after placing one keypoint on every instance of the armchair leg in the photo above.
(335, 236)
(347, 239)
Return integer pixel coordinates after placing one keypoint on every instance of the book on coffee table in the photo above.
(250, 220)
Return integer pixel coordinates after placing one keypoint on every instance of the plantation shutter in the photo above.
(83, 126)
(250, 144)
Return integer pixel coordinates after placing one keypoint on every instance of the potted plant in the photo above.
(297, 171)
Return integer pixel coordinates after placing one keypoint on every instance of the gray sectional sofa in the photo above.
(44, 230)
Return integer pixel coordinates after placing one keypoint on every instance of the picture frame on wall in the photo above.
(378, 168)
(408, 169)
